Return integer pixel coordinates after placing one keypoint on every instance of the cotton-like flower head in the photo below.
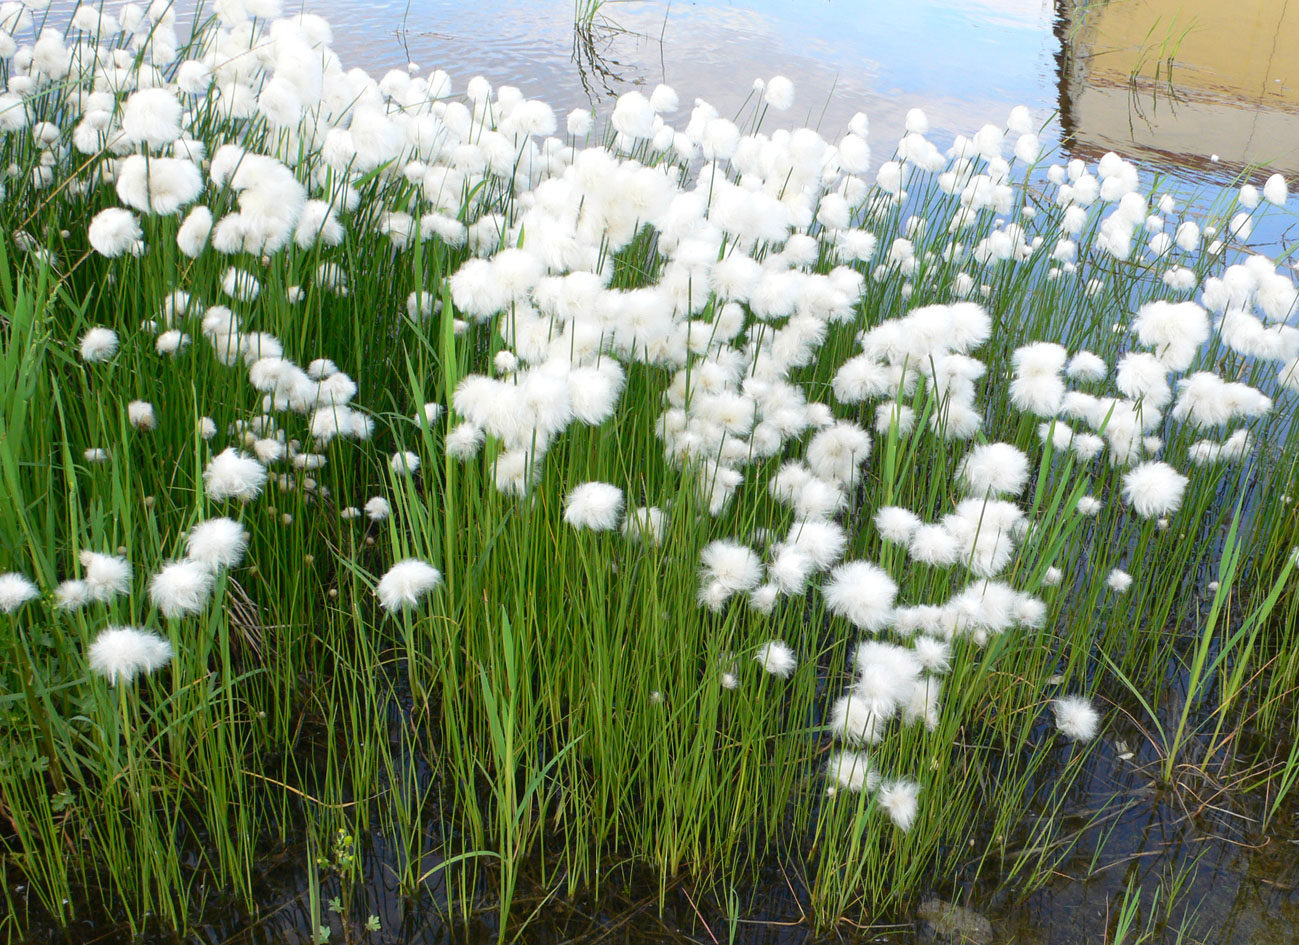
(151, 117)
(139, 413)
(404, 463)
(734, 566)
(900, 800)
(217, 543)
(850, 770)
(193, 234)
(646, 525)
(885, 674)
(378, 509)
(821, 542)
(429, 413)
(779, 93)
(158, 185)
(897, 524)
(934, 655)
(180, 588)
(855, 721)
(98, 344)
(464, 441)
(1174, 329)
(1086, 366)
(105, 576)
(122, 653)
(1274, 190)
(1205, 399)
(115, 231)
(405, 583)
(863, 593)
(1118, 580)
(935, 545)
(71, 595)
(593, 505)
(1154, 489)
(15, 590)
(1076, 718)
(776, 657)
(232, 475)
(837, 452)
(994, 469)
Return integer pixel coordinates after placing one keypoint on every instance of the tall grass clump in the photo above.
(381, 457)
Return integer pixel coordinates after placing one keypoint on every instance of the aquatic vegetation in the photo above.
(649, 480)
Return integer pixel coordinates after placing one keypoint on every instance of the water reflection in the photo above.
(1176, 82)
(1170, 82)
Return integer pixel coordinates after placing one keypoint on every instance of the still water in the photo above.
(1199, 88)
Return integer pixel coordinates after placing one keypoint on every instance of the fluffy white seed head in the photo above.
(105, 576)
(15, 590)
(119, 654)
(217, 543)
(181, 588)
(232, 475)
(1075, 717)
(98, 344)
(594, 505)
(863, 593)
(1154, 489)
(405, 583)
(776, 657)
(900, 800)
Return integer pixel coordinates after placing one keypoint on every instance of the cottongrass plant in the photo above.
(694, 495)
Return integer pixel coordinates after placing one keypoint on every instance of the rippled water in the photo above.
(1173, 82)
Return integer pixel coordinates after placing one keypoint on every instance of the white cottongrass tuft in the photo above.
(217, 543)
(71, 595)
(404, 463)
(1154, 489)
(994, 469)
(405, 583)
(896, 524)
(593, 505)
(232, 475)
(850, 770)
(15, 590)
(1075, 717)
(855, 721)
(378, 509)
(180, 588)
(139, 413)
(105, 576)
(734, 566)
(647, 525)
(1118, 580)
(863, 593)
(776, 658)
(98, 344)
(900, 800)
(115, 231)
(779, 93)
(119, 654)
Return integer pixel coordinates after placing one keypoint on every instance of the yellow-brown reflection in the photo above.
(1175, 82)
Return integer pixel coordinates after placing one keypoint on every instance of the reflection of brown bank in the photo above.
(1233, 89)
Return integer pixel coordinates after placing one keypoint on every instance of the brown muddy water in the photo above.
(1196, 90)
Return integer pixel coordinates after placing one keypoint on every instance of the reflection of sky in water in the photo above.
(965, 62)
